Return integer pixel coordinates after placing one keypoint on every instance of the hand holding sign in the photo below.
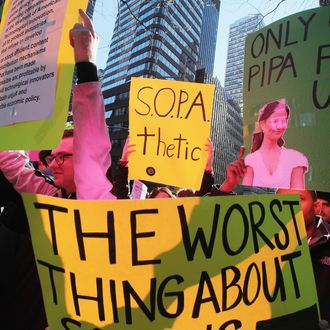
(169, 122)
(209, 149)
(128, 148)
(235, 171)
(84, 40)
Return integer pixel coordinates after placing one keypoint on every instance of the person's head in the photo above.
(61, 163)
(161, 192)
(308, 204)
(43, 157)
(272, 123)
(184, 192)
(323, 205)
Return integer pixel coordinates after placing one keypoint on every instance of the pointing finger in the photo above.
(86, 22)
(241, 152)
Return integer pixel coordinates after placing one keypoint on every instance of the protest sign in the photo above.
(169, 123)
(36, 68)
(2, 3)
(290, 59)
(237, 262)
(139, 190)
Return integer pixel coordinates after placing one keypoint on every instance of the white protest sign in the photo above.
(29, 44)
(139, 190)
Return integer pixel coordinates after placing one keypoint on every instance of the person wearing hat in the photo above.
(318, 239)
(323, 206)
(270, 164)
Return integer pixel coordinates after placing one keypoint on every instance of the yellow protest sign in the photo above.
(169, 123)
(193, 263)
(34, 86)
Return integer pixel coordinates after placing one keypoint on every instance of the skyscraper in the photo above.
(226, 129)
(209, 35)
(235, 55)
(154, 39)
(90, 8)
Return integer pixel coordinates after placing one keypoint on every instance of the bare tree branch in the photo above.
(272, 11)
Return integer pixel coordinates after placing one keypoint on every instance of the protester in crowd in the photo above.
(185, 192)
(319, 242)
(121, 183)
(75, 174)
(43, 156)
(161, 192)
(90, 138)
(270, 164)
(323, 205)
(21, 303)
(43, 162)
(19, 271)
(234, 172)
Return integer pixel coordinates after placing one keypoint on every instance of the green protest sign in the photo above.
(191, 263)
(289, 61)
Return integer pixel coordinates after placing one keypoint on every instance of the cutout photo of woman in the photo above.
(270, 164)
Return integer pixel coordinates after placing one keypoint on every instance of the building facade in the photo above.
(90, 8)
(226, 129)
(235, 55)
(152, 39)
(209, 35)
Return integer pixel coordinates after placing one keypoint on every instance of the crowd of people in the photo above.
(79, 169)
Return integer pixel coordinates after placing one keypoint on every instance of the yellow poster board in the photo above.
(170, 124)
(192, 263)
(46, 134)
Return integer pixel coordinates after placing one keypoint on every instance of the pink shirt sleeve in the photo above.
(92, 145)
(14, 166)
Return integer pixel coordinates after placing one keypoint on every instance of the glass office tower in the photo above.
(235, 55)
(226, 129)
(157, 39)
(90, 8)
(209, 35)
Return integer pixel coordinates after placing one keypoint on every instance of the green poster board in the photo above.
(291, 59)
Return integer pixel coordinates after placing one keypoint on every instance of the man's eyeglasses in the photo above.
(59, 159)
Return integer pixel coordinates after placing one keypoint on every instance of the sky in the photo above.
(230, 11)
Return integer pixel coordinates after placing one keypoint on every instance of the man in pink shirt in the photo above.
(81, 161)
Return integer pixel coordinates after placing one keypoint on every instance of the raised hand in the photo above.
(209, 149)
(84, 40)
(235, 171)
(128, 148)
